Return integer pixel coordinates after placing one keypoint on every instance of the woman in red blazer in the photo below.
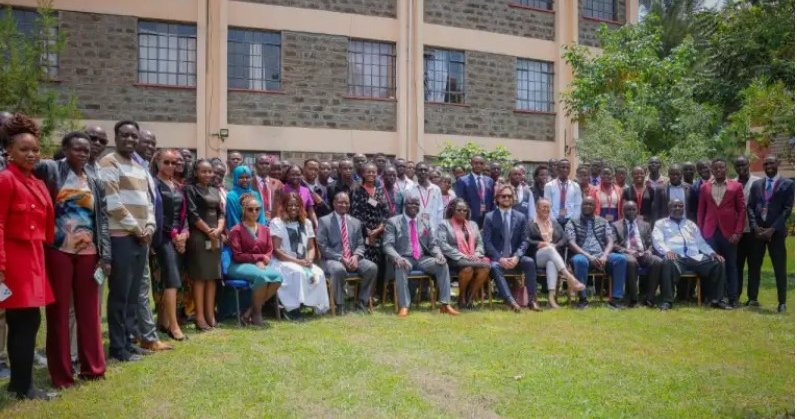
(26, 224)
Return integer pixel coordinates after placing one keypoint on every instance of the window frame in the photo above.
(450, 97)
(251, 84)
(600, 13)
(184, 33)
(546, 5)
(530, 103)
(49, 61)
(390, 75)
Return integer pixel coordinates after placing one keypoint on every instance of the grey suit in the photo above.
(647, 260)
(331, 247)
(396, 244)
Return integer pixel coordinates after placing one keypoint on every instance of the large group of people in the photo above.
(151, 221)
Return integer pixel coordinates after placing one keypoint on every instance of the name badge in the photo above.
(425, 217)
(609, 217)
(562, 213)
(372, 202)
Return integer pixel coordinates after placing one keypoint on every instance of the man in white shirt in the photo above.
(429, 196)
(564, 194)
(684, 249)
(402, 181)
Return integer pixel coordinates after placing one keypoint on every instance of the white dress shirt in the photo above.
(431, 200)
(572, 198)
(681, 237)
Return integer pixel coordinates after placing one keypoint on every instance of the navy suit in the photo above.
(493, 237)
(777, 212)
(467, 188)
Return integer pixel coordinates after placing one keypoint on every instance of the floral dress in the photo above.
(371, 210)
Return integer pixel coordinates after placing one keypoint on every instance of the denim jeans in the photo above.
(615, 267)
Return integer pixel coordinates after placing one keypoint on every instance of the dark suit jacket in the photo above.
(396, 241)
(329, 240)
(493, 234)
(466, 188)
(620, 230)
(646, 210)
(780, 206)
(661, 202)
(528, 199)
(535, 237)
(728, 215)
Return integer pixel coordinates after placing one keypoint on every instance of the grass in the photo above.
(689, 362)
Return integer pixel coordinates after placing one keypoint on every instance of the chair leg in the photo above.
(238, 307)
(432, 293)
(277, 314)
(699, 292)
(395, 296)
(384, 292)
(489, 294)
(332, 304)
(610, 279)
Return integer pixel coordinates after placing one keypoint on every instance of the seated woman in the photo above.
(251, 247)
(294, 251)
(546, 239)
(461, 242)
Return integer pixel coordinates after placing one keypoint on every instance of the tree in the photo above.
(632, 96)
(24, 79)
(452, 156)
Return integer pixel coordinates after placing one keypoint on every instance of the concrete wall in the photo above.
(314, 70)
(385, 8)
(491, 16)
(100, 65)
(489, 109)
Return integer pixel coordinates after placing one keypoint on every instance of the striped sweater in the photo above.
(130, 208)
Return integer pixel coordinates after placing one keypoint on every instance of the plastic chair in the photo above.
(238, 284)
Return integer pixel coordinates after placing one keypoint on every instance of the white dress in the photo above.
(300, 285)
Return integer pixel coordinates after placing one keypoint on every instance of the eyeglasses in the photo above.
(253, 209)
(505, 196)
(169, 163)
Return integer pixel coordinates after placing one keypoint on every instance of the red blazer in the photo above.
(728, 215)
(247, 249)
(27, 223)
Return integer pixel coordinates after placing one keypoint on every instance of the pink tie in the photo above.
(416, 248)
(344, 237)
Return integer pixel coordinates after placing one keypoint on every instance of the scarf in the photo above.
(233, 209)
(466, 246)
(546, 228)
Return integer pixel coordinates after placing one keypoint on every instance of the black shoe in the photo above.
(649, 304)
(616, 304)
(752, 303)
(36, 394)
(582, 304)
(734, 304)
(362, 308)
(665, 306)
(127, 357)
(294, 315)
(340, 309)
(781, 308)
(137, 350)
(632, 304)
(721, 305)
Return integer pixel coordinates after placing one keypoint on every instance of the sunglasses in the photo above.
(253, 209)
(169, 163)
(463, 210)
(95, 138)
(505, 196)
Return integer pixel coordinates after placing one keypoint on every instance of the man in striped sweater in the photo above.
(131, 220)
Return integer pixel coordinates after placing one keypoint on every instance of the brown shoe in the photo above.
(447, 309)
(403, 312)
(534, 306)
(156, 346)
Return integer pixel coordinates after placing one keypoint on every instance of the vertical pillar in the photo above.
(566, 33)
(403, 72)
(415, 151)
(215, 92)
(201, 77)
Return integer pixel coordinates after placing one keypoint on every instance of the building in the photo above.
(310, 77)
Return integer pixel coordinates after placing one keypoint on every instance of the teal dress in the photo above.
(249, 247)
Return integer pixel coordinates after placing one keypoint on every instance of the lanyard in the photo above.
(428, 195)
(389, 199)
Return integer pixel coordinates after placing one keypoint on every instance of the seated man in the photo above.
(684, 248)
(409, 243)
(504, 233)
(342, 246)
(632, 239)
(591, 243)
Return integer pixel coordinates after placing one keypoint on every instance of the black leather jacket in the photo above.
(54, 173)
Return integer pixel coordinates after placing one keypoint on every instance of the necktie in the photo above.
(632, 236)
(562, 194)
(481, 189)
(507, 236)
(266, 195)
(768, 192)
(344, 237)
(416, 246)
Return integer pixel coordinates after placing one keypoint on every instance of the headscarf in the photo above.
(233, 209)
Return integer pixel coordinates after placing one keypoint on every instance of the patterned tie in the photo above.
(632, 236)
(507, 236)
(416, 246)
(344, 237)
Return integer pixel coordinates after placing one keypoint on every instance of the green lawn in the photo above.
(689, 362)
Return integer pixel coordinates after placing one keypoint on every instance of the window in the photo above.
(534, 86)
(166, 53)
(27, 22)
(537, 4)
(599, 9)
(372, 69)
(253, 60)
(444, 76)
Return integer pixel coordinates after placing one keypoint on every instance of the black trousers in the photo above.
(744, 255)
(727, 250)
(23, 325)
(777, 253)
(711, 273)
(127, 272)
